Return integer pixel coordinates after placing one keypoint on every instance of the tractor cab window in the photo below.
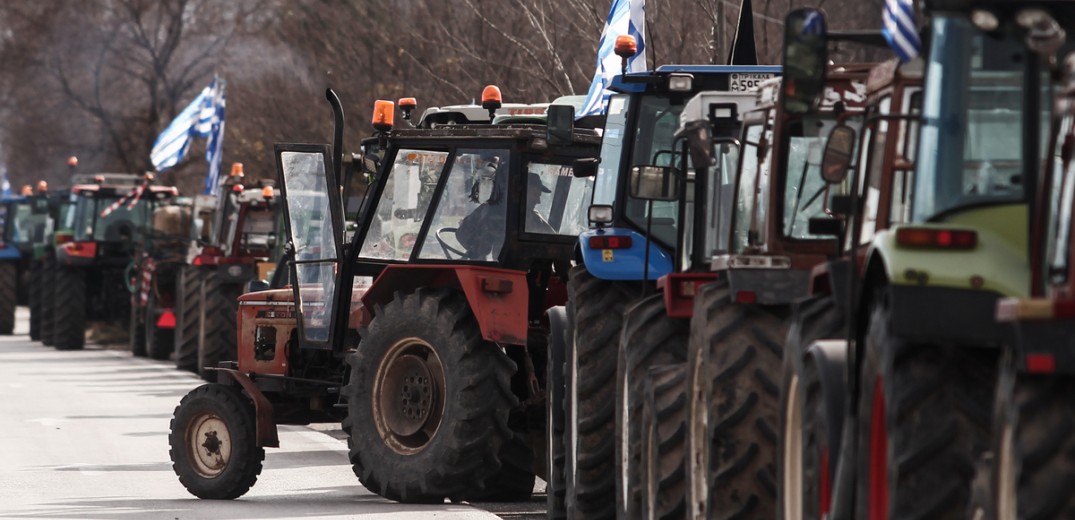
(804, 189)
(1062, 199)
(720, 196)
(555, 200)
(258, 233)
(110, 217)
(654, 144)
(398, 217)
(971, 141)
(30, 224)
(612, 141)
(753, 189)
(469, 223)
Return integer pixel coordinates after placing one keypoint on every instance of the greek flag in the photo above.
(625, 17)
(203, 117)
(900, 28)
(5, 185)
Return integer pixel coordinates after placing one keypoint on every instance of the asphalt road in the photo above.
(83, 434)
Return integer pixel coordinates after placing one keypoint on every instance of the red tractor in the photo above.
(236, 240)
(425, 332)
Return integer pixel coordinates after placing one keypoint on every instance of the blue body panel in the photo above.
(623, 264)
(9, 252)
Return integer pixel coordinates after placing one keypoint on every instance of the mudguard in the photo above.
(624, 264)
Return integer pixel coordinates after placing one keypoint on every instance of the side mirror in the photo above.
(805, 60)
(699, 140)
(837, 157)
(654, 183)
(585, 167)
(559, 124)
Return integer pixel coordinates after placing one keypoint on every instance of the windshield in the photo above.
(469, 223)
(805, 189)
(555, 200)
(971, 139)
(720, 196)
(656, 126)
(753, 188)
(397, 219)
(30, 225)
(608, 169)
(99, 218)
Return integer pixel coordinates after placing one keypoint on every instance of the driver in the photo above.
(535, 221)
(481, 232)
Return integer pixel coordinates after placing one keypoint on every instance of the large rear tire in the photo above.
(597, 315)
(555, 413)
(188, 318)
(734, 363)
(136, 328)
(808, 454)
(35, 301)
(48, 300)
(428, 405)
(213, 444)
(650, 338)
(220, 306)
(69, 321)
(664, 436)
(1034, 453)
(9, 288)
(924, 417)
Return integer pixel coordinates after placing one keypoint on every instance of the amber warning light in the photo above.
(407, 105)
(383, 115)
(491, 99)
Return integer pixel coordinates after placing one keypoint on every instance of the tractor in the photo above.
(23, 220)
(92, 253)
(893, 359)
(152, 275)
(235, 241)
(424, 332)
(43, 263)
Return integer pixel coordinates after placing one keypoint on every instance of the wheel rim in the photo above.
(209, 445)
(793, 453)
(1006, 494)
(698, 442)
(878, 470)
(408, 396)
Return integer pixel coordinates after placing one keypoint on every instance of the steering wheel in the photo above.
(444, 245)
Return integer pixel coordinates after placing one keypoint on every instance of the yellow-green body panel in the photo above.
(999, 260)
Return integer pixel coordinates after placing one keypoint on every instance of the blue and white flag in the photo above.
(900, 29)
(625, 17)
(203, 117)
(213, 118)
(5, 185)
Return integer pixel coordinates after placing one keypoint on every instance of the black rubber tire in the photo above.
(69, 320)
(220, 307)
(456, 439)
(35, 301)
(136, 328)
(188, 317)
(649, 339)
(1038, 415)
(812, 319)
(9, 288)
(159, 342)
(219, 406)
(734, 367)
(937, 415)
(48, 300)
(555, 414)
(664, 436)
(598, 307)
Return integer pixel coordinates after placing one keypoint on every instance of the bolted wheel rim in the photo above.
(209, 445)
(408, 396)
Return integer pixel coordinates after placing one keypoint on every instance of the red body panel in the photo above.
(678, 303)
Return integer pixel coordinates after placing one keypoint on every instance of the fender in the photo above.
(265, 424)
(623, 264)
(499, 298)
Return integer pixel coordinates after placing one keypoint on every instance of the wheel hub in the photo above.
(209, 445)
(413, 396)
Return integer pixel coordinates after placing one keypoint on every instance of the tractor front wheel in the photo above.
(9, 288)
(428, 404)
(213, 444)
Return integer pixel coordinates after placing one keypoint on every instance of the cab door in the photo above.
(313, 220)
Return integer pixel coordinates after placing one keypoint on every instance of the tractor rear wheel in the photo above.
(428, 403)
(663, 426)
(213, 445)
(136, 328)
(555, 413)
(650, 338)
(160, 342)
(188, 318)
(807, 451)
(35, 301)
(1034, 452)
(9, 287)
(220, 304)
(734, 363)
(48, 300)
(925, 417)
(69, 320)
(597, 313)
